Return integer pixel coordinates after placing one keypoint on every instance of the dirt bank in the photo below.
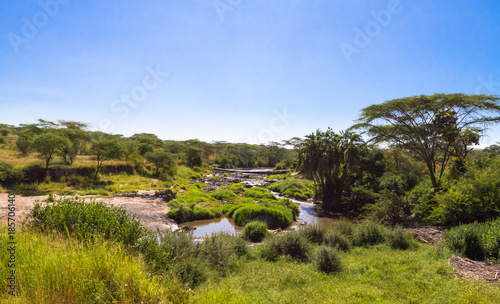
(427, 234)
(470, 269)
(151, 212)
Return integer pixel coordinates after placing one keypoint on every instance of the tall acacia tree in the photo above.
(435, 127)
(47, 145)
(330, 158)
(105, 147)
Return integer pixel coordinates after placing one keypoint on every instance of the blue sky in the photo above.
(238, 70)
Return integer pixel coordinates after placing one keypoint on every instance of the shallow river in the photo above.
(206, 227)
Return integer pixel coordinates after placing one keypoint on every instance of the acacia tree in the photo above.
(330, 158)
(105, 148)
(160, 159)
(47, 144)
(434, 127)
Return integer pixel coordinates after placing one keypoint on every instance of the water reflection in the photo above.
(207, 227)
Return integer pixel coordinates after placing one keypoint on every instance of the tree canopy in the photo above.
(329, 159)
(434, 128)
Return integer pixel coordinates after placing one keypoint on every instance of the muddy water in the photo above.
(202, 228)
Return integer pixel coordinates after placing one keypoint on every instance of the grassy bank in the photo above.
(371, 275)
(242, 205)
(54, 269)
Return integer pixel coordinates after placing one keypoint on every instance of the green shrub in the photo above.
(344, 227)
(192, 196)
(9, 175)
(195, 176)
(314, 233)
(259, 193)
(476, 241)
(237, 187)
(475, 197)
(397, 238)
(388, 208)
(194, 213)
(335, 239)
(84, 220)
(326, 259)
(368, 233)
(291, 244)
(266, 252)
(222, 250)
(275, 216)
(296, 188)
(255, 231)
(171, 252)
(222, 194)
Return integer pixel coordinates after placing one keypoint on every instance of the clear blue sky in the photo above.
(238, 70)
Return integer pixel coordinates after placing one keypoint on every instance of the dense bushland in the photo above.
(476, 241)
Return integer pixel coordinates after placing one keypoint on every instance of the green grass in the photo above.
(223, 194)
(259, 193)
(370, 275)
(255, 231)
(476, 241)
(54, 269)
(293, 187)
(275, 216)
(85, 220)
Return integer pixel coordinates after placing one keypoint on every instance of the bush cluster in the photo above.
(296, 188)
(85, 220)
(255, 231)
(475, 241)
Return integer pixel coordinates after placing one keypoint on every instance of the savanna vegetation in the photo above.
(406, 162)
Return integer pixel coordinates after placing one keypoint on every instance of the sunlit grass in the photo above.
(371, 275)
(55, 269)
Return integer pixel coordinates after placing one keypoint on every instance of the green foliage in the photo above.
(476, 241)
(161, 160)
(86, 220)
(176, 253)
(326, 259)
(291, 244)
(314, 233)
(259, 193)
(296, 188)
(237, 187)
(275, 216)
(195, 176)
(222, 194)
(221, 251)
(475, 197)
(337, 240)
(255, 231)
(47, 145)
(57, 269)
(192, 196)
(9, 175)
(368, 233)
(435, 128)
(186, 214)
(389, 208)
(330, 160)
(344, 227)
(397, 238)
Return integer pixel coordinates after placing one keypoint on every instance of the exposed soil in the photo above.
(151, 212)
(470, 269)
(427, 234)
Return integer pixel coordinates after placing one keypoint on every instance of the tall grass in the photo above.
(85, 220)
(55, 269)
(476, 241)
